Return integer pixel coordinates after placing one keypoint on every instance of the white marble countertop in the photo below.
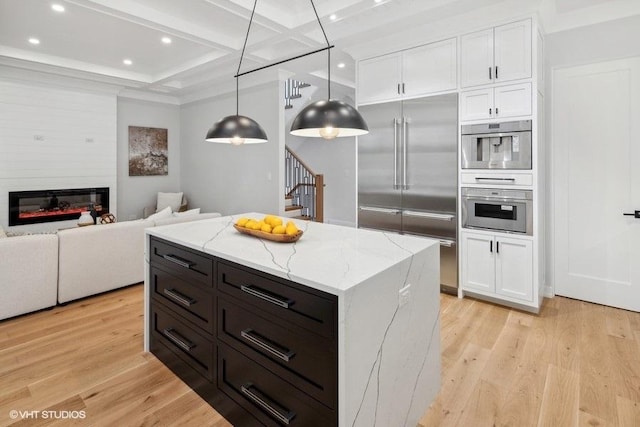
(327, 257)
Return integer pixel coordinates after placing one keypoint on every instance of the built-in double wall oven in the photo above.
(503, 210)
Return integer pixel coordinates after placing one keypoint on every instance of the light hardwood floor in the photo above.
(575, 364)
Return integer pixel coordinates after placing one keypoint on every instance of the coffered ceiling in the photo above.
(90, 39)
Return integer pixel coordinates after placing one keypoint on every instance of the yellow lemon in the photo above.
(266, 228)
(279, 229)
(267, 219)
(291, 229)
(275, 221)
(249, 224)
(242, 222)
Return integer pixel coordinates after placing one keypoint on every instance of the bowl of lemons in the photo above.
(270, 227)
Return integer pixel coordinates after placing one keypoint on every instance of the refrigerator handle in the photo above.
(395, 154)
(405, 141)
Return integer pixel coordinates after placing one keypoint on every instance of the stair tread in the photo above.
(292, 207)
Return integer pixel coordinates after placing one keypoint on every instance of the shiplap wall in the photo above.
(55, 137)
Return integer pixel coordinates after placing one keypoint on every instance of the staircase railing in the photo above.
(305, 187)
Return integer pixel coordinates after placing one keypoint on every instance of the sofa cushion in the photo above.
(99, 259)
(173, 200)
(195, 211)
(164, 213)
(28, 274)
(187, 218)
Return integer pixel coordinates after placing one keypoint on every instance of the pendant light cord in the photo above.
(328, 51)
(244, 46)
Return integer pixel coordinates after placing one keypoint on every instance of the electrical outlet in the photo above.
(404, 295)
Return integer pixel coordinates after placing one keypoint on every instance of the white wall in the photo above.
(335, 159)
(233, 179)
(54, 137)
(136, 192)
(585, 45)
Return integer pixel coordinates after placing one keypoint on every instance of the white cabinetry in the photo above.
(496, 55)
(499, 266)
(413, 72)
(379, 78)
(496, 102)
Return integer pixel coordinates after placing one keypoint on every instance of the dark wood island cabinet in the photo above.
(263, 347)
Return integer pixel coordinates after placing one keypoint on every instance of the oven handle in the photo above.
(503, 200)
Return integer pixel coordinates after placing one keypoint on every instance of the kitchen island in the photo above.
(339, 328)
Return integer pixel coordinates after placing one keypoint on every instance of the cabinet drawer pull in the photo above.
(267, 404)
(264, 295)
(497, 247)
(495, 179)
(178, 340)
(430, 215)
(266, 344)
(496, 72)
(180, 261)
(178, 297)
(490, 77)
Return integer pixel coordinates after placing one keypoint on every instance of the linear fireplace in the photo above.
(32, 207)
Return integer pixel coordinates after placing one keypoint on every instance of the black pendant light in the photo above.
(238, 129)
(328, 118)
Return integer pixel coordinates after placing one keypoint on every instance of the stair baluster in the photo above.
(305, 187)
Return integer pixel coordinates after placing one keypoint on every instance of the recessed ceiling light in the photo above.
(166, 40)
(341, 65)
(333, 17)
(34, 40)
(57, 7)
(127, 61)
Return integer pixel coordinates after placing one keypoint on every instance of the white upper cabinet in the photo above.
(379, 78)
(496, 55)
(496, 102)
(476, 58)
(429, 68)
(419, 71)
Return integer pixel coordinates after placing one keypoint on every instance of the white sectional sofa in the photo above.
(28, 274)
(36, 271)
(97, 259)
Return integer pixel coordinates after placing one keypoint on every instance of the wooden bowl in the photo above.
(280, 238)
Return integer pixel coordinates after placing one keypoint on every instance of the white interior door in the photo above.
(596, 178)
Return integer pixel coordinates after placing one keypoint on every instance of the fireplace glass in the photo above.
(31, 207)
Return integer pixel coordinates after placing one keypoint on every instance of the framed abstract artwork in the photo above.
(148, 151)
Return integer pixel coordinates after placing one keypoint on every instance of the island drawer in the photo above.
(194, 303)
(269, 398)
(192, 347)
(306, 360)
(313, 311)
(188, 263)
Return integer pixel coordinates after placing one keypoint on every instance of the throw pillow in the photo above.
(164, 213)
(3, 234)
(173, 200)
(190, 212)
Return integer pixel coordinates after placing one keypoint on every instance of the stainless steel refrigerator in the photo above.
(407, 173)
